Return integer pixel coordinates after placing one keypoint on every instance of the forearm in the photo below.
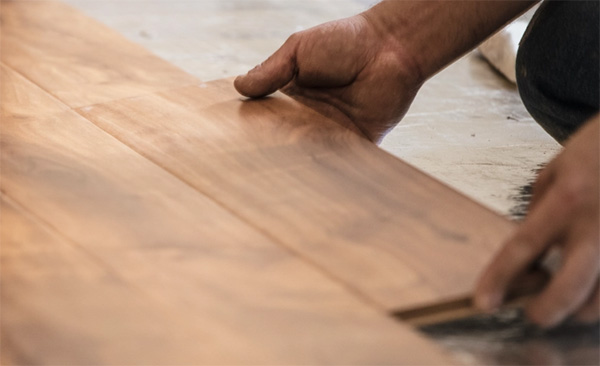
(431, 34)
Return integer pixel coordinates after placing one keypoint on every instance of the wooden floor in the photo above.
(467, 126)
(151, 218)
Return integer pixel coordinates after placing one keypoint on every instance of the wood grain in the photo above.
(255, 232)
(61, 305)
(234, 292)
(391, 233)
(76, 59)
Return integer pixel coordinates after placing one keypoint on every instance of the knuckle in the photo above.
(294, 37)
(573, 192)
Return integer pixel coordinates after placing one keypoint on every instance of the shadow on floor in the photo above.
(507, 338)
(522, 197)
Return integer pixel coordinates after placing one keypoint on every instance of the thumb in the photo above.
(272, 74)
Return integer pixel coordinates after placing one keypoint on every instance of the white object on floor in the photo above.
(501, 49)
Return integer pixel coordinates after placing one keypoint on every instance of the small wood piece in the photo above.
(440, 312)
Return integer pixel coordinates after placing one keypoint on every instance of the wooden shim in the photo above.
(254, 302)
(393, 234)
(77, 59)
(519, 295)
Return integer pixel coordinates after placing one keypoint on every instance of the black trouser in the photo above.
(558, 66)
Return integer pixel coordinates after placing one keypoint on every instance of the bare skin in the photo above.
(563, 212)
(344, 69)
(368, 68)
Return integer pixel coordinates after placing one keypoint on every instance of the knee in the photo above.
(557, 66)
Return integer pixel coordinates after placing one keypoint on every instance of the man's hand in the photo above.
(344, 69)
(563, 213)
(367, 69)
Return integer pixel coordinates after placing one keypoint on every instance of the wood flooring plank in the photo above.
(390, 232)
(253, 301)
(77, 59)
(61, 306)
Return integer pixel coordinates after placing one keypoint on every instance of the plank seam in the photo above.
(57, 98)
(52, 230)
(351, 290)
(356, 293)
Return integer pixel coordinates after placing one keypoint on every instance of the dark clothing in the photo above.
(558, 66)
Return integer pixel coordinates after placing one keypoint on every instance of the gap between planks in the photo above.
(279, 241)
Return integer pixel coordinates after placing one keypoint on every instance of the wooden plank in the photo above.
(393, 234)
(77, 59)
(259, 302)
(307, 183)
(60, 305)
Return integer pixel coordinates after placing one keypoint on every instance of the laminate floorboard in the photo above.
(77, 59)
(236, 296)
(393, 234)
(394, 275)
(264, 231)
(60, 306)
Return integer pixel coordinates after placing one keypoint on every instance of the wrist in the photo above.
(389, 43)
(429, 35)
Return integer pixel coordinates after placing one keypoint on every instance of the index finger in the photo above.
(539, 230)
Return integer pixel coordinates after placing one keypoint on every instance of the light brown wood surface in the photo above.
(151, 218)
(233, 291)
(76, 59)
(390, 233)
(108, 258)
(61, 305)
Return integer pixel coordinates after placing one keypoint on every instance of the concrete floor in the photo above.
(467, 127)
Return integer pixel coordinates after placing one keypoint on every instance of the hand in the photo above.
(563, 212)
(366, 69)
(345, 69)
